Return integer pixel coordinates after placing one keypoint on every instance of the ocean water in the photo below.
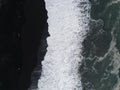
(83, 47)
(100, 69)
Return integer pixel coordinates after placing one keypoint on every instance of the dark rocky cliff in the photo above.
(23, 27)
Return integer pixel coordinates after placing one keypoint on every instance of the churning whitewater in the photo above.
(68, 24)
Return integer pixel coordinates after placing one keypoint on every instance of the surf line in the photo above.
(68, 23)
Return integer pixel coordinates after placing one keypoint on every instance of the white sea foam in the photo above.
(68, 23)
(113, 2)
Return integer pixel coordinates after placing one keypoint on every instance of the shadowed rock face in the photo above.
(22, 26)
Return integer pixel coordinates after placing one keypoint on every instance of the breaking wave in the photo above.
(68, 22)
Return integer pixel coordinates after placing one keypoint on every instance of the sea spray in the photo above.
(68, 24)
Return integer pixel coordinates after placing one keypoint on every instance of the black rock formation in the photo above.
(22, 27)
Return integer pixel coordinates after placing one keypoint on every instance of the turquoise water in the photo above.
(100, 69)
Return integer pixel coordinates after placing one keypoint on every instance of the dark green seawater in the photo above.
(100, 69)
